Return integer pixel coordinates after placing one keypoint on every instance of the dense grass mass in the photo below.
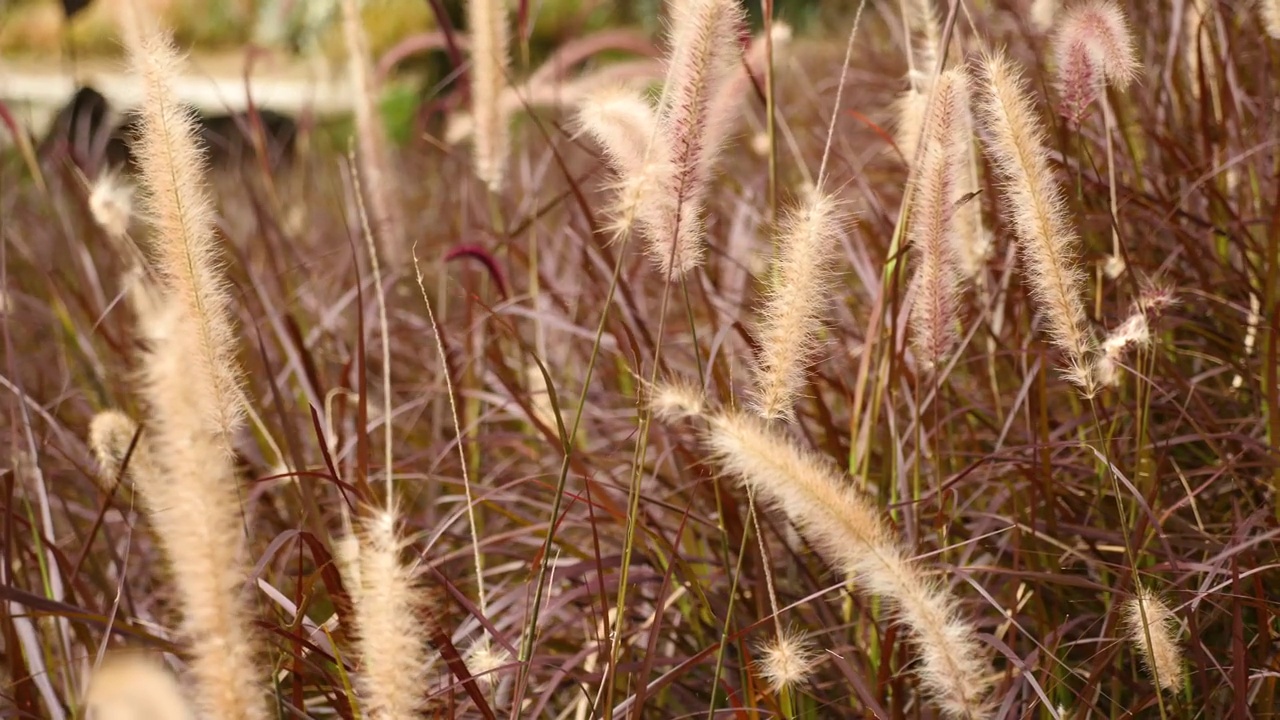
(924, 366)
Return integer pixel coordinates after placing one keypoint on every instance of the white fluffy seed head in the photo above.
(1270, 10)
(795, 305)
(695, 116)
(1043, 13)
(675, 401)
(1093, 46)
(786, 660)
(1152, 628)
(390, 635)
(624, 123)
(490, 68)
(111, 204)
(934, 230)
(485, 661)
(846, 528)
(1135, 331)
(1036, 207)
(133, 686)
(111, 434)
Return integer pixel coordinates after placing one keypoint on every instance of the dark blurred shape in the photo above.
(71, 7)
(80, 130)
(229, 139)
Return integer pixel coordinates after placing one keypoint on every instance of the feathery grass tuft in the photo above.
(624, 124)
(192, 390)
(1152, 628)
(796, 300)
(909, 109)
(704, 56)
(381, 189)
(1093, 46)
(132, 686)
(1043, 13)
(922, 22)
(176, 200)
(934, 228)
(664, 176)
(111, 204)
(786, 660)
(393, 643)
(485, 661)
(1133, 332)
(1270, 10)
(111, 434)
(1037, 211)
(841, 523)
(490, 67)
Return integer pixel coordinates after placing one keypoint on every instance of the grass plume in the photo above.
(490, 69)
(1037, 212)
(192, 390)
(381, 188)
(705, 54)
(843, 525)
(133, 686)
(1270, 10)
(795, 302)
(111, 438)
(1152, 629)
(1092, 46)
(387, 601)
(934, 230)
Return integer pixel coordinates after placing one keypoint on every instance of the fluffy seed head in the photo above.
(1043, 13)
(171, 165)
(490, 67)
(1135, 331)
(934, 230)
(193, 393)
(1152, 628)
(786, 660)
(909, 109)
(132, 686)
(922, 20)
(842, 525)
(1093, 46)
(705, 55)
(390, 636)
(676, 401)
(378, 184)
(623, 122)
(111, 204)
(485, 661)
(1270, 10)
(111, 433)
(795, 303)
(1037, 212)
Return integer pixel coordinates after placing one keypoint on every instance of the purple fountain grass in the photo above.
(795, 302)
(191, 383)
(1092, 46)
(933, 232)
(1037, 212)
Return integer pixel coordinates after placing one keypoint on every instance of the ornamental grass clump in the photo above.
(844, 526)
(663, 194)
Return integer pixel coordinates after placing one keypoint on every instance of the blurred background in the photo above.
(292, 54)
